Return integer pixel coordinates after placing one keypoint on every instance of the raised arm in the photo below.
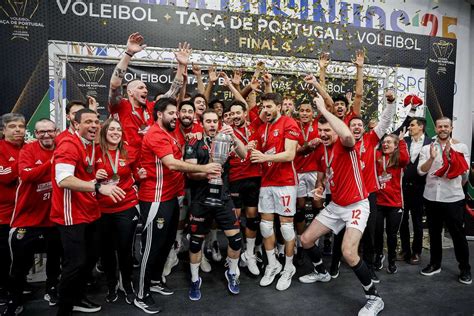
(182, 57)
(322, 91)
(198, 74)
(135, 44)
(341, 129)
(212, 79)
(230, 85)
(324, 60)
(386, 117)
(359, 62)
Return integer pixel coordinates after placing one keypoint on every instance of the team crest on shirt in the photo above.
(20, 233)
(275, 133)
(189, 150)
(160, 222)
(122, 162)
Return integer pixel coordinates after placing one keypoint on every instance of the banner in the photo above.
(92, 79)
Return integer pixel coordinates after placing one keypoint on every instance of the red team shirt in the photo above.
(270, 139)
(131, 123)
(33, 203)
(390, 193)
(67, 132)
(73, 207)
(348, 117)
(243, 168)
(161, 183)
(367, 147)
(126, 182)
(8, 179)
(346, 184)
(181, 132)
(306, 162)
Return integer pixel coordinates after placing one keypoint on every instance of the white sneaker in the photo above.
(285, 280)
(373, 306)
(205, 265)
(270, 274)
(249, 261)
(216, 252)
(315, 276)
(171, 262)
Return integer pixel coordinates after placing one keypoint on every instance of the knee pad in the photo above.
(235, 242)
(252, 223)
(266, 228)
(300, 215)
(287, 231)
(195, 244)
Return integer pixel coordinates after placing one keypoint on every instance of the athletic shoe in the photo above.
(373, 306)
(402, 256)
(51, 296)
(378, 263)
(86, 306)
(430, 270)
(130, 297)
(195, 290)
(161, 287)
(315, 276)
(373, 276)
(415, 259)
(147, 304)
(216, 252)
(270, 273)
(171, 262)
(232, 282)
(299, 257)
(205, 265)
(13, 310)
(465, 277)
(249, 261)
(334, 270)
(99, 267)
(3, 297)
(392, 268)
(284, 281)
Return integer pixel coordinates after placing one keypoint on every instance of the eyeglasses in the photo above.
(49, 131)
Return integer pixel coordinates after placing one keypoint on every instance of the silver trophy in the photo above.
(219, 153)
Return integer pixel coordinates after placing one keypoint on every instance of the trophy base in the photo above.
(213, 202)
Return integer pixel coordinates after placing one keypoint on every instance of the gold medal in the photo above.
(305, 144)
(142, 127)
(89, 169)
(115, 177)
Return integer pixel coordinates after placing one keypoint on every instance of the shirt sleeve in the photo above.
(28, 170)
(67, 153)
(190, 150)
(161, 145)
(292, 131)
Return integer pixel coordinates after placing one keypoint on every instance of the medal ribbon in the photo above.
(246, 136)
(114, 164)
(89, 160)
(265, 136)
(305, 135)
(328, 163)
(135, 113)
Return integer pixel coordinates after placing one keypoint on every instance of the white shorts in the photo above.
(277, 200)
(306, 183)
(336, 217)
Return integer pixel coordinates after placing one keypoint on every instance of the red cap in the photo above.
(457, 166)
(412, 99)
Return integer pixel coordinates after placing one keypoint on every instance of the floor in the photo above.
(404, 293)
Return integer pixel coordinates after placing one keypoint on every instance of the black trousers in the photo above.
(368, 237)
(117, 231)
(451, 215)
(80, 245)
(24, 243)
(390, 217)
(5, 261)
(413, 205)
(158, 238)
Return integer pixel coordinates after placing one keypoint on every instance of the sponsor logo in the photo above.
(11, 159)
(160, 222)
(47, 186)
(38, 162)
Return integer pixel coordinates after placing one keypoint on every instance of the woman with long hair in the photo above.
(391, 159)
(119, 220)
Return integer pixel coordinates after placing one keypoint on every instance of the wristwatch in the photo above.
(97, 186)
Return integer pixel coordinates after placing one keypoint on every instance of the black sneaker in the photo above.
(51, 296)
(392, 268)
(147, 304)
(161, 287)
(86, 306)
(300, 257)
(99, 267)
(373, 276)
(430, 270)
(13, 310)
(378, 263)
(129, 297)
(334, 270)
(112, 295)
(465, 277)
(3, 297)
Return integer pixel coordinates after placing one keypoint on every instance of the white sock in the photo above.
(298, 241)
(194, 272)
(281, 248)
(213, 235)
(271, 257)
(250, 246)
(288, 261)
(233, 265)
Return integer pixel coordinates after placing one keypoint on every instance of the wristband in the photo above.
(97, 186)
(127, 53)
